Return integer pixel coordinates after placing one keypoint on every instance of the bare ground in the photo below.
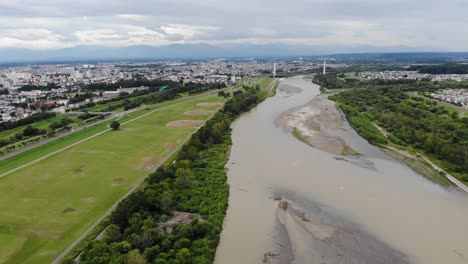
(184, 123)
(198, 112)
(312, 123)
(177, 218)
(148, 163)
(209, 104)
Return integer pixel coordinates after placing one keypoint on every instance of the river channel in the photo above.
(373, 209)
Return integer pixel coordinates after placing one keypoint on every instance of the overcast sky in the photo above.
(54, 24)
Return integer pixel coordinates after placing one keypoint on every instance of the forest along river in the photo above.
(293, 203)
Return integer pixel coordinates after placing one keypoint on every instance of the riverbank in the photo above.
(419, 166)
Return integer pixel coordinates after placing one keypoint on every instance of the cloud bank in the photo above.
(57, 24)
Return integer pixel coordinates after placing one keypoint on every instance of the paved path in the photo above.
(80, 238)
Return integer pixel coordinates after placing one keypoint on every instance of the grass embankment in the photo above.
(47, 205)
(194, 183)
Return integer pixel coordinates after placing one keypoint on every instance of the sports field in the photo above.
(47, 205)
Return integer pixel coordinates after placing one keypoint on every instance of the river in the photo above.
(384, 213)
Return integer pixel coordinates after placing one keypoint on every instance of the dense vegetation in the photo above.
(148, 83)
(30, 87)
(449, 68)
(411, 121)
(195, 183)
(341, 81)
(80, 98)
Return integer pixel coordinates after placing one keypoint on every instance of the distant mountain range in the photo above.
(205, 51)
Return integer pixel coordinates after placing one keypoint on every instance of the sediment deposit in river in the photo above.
(313, 123)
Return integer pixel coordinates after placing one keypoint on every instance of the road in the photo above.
(82, 236)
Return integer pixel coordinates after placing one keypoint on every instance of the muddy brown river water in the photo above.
(371, 210)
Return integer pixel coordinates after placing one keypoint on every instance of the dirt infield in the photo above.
(198, 112)
(184, 123)
(147, 163)
(209, 104)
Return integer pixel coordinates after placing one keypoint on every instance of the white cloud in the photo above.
(188, 31)
(53, 24)
(35, 38)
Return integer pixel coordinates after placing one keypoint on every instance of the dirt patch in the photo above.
(148, 163)
(198, 112)
(176, 219)
(68, 210)
(169, 146)
(209, 104)
(90, 200)
(80, 168)
(184, 123)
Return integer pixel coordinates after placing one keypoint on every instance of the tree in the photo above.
(183, 177)
(30, 131)
(115, 125)
(183, 256)
(429, 144)
(134, 257)
(112, 233)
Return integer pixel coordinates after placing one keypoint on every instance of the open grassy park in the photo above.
(45, 206)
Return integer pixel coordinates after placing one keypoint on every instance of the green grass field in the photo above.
(262, 82)
(47, 205)
(35, 153)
